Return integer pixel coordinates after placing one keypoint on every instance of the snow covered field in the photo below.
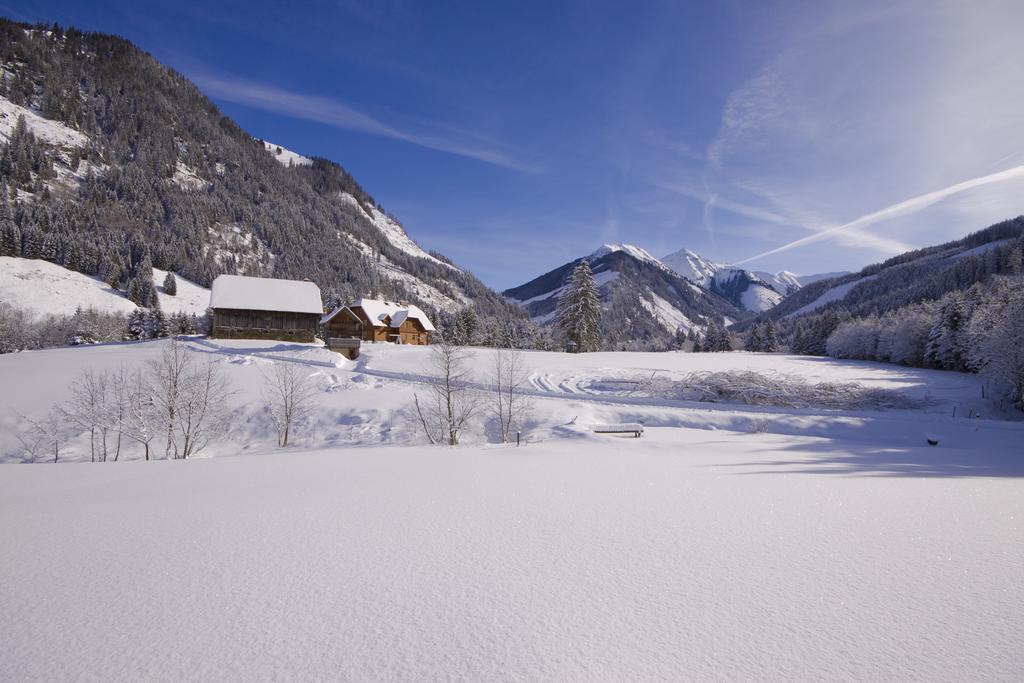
(730, 542)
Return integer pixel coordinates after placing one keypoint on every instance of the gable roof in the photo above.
(414, 313)
(265, 294)
(379, 311)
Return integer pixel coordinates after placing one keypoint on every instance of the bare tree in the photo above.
(89, 410)
(167, 379)
(288, 394)
(509, 405)
(451, 402)
(190, 399)
(202, 413)
(140, 421)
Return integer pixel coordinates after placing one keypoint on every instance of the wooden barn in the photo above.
(264, 308)
(379, 321)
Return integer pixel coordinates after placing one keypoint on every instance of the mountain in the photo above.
(754, 291)
(693, 267)
(110, 162)
(645, 302)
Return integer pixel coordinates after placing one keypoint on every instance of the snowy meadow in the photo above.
(751, 532)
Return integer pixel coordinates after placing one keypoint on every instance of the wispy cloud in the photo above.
(713, 200)
(336, 113)
(903, 208)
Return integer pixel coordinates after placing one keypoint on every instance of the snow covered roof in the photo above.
(415, 313)
(265, 294)
(378, 310)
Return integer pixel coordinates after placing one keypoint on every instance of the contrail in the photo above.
(907, 206)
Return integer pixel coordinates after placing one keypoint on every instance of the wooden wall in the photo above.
(232, 323)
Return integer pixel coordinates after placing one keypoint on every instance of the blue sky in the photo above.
(806, 136)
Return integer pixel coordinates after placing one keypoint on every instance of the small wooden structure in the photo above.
(634, 428)
(375, 320)
(264, 308)
(344, 331)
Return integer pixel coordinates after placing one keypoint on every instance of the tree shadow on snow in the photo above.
(852, 459)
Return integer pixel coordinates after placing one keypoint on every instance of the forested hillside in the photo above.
(955, 306)
(111, 164)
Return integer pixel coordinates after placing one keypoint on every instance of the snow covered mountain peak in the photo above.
(693, 266)
(636, 252)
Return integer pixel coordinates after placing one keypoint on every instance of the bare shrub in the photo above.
(288, 394)
(40, 439)
(777, 389)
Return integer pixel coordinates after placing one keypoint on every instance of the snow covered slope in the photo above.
(836, 293)
(48, 131)
(286, 156)
(43, 288)
(393, 231)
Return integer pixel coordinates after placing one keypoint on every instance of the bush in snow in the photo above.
(776, 389)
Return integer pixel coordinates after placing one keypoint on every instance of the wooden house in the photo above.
(374, 320)
(264, 308)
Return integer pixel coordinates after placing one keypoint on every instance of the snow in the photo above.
(265, 294)
(981, 249)
(187, 178)
(783, 282)
(415, 313)
(44, 288)
(837, 293)
(631, 249)
(759, 298)
(827, 546)
(46, 130)
(670, 317)
(393, 232)
(189, 299)
(692, 266)
(286, 157)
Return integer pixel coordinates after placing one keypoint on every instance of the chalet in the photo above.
(379, 321)
(264, 308)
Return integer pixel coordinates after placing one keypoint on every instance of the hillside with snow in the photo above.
(105, 120)
(45, 288)
(723, 527)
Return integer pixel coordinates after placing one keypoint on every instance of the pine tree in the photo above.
(769, 338)
(579, 311)
(754, 338)
(946, 348)
(137, 327)
(467, 326)
(170, 285)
